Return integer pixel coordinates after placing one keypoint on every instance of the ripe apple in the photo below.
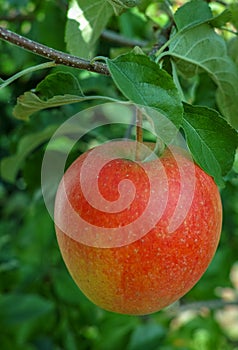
(136, 235)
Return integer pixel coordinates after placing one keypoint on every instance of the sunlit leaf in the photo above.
(86, 20)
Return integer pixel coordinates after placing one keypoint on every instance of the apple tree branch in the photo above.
(58, 57)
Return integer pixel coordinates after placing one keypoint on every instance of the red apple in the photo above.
(136, 235)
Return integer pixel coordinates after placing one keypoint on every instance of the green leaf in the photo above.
(18, 308)
(144, 83)
(86, 21)
(234, 14)
(120, 5)
(30, 103)
(220, 20)
(59, 83)
(55, 90)
(233, 49)
(197, 12)
(146, 336)
(205, 92)
(192, 13)
(211, 140)
(66, 289)
(125, 3)
(200, 49)
(115, 331)
(142, 6)
(10, 166)
(236, 162)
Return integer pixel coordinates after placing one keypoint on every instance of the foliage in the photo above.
(178, 58)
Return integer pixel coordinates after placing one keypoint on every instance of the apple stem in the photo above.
(139, 132)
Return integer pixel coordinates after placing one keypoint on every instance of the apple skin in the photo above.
(155, 270)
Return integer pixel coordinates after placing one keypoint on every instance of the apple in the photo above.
(136, 235)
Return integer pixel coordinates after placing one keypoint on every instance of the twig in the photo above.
(58, 57)
(16, 17)
(111, 36)
(139, 133)
(209, 304)
(163, 38)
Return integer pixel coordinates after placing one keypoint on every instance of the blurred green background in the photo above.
(40, 306)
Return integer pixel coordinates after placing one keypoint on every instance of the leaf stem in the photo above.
(160, 53)
(58, 57)
(139, 133)
(26, 71)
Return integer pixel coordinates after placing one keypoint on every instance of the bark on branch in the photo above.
(58, 57)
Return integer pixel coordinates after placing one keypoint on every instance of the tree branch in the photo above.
(16, 17)
(58, 57)
(210, 304)
(121, 40)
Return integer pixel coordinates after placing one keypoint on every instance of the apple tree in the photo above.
(176, 62)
